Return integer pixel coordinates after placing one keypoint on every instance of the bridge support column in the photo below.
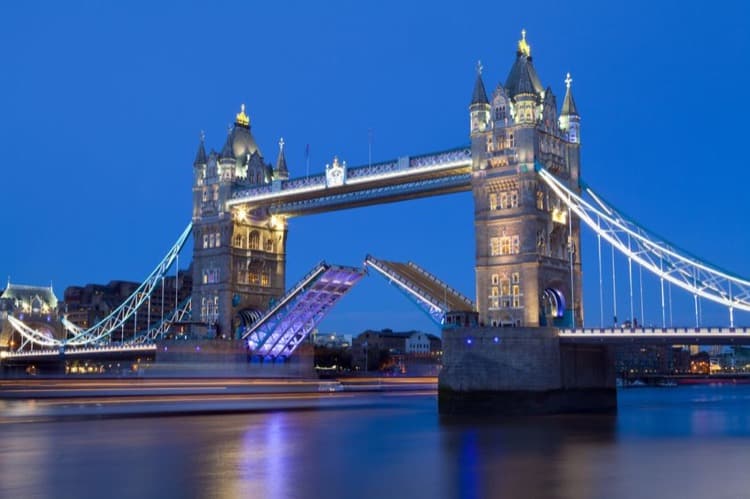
(522, 371)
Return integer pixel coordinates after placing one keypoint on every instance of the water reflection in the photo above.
(686, 443)
(523, 457)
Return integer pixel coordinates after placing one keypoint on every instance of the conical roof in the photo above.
(282, 171)
(200, 156)
(522, 78)
(227, 151)
(569, 104)
(480, 94)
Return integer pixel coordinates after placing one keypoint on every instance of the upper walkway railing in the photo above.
(399, 170)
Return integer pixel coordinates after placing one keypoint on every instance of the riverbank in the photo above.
(684, 379)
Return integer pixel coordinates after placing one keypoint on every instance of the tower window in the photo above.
(254, 240)
(516, 277)
(493, 201)
(539, 200)
(516, 245)
(205, 240)
(514, 199)
(516, 296)
(217, 239)
(494, 246)
(495, 279)
(504, 287)
(253, 277)
(505, 245)
(503, 200)
(211, 240)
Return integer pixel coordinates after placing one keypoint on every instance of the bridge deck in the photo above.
(278, 333)
(427, 290)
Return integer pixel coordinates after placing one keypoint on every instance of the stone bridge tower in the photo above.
(239, 254)
(528, 260)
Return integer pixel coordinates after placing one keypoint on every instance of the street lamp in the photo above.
(364, 345)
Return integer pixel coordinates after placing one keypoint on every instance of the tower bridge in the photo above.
(523, 167)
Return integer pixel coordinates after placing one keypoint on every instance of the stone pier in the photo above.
(520, 371)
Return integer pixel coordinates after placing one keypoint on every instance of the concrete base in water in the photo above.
(516, 371)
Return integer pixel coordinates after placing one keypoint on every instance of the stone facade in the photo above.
(528, 262)
(239, 253)
(523, 371)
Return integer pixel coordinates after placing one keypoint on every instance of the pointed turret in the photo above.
(200, 156)
(281, 172)
(569, 104)
(227, 152)
(479, 109)
(570, 120)
(480, 95)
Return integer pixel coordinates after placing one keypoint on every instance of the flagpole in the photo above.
(307, 160)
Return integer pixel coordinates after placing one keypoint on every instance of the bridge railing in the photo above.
(374, 171)
(78, 351)
(669, 331)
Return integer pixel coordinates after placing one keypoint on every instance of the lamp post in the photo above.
(364, 345)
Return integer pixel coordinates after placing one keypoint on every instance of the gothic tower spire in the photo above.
(479, 109)
(281, 172)
(570, 120)
(200, 156)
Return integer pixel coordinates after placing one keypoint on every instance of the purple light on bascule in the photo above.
(198, 349)
(165, 349)
(496, 339)
(468, 341)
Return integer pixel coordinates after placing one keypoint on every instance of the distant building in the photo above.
(332, 340)
(35, 306)
(86, 305)
(408, 352)
(635, 360)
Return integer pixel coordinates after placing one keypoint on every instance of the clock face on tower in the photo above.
(336, 173)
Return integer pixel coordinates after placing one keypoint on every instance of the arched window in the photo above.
(254, 240)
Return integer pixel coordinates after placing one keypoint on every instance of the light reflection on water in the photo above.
(673, 442)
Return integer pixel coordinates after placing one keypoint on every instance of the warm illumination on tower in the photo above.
(242, 119)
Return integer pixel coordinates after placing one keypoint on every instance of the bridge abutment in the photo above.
(522, 371)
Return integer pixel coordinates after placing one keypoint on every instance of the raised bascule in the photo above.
(520, 347)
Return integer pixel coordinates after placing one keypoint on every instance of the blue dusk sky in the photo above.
(102, 104)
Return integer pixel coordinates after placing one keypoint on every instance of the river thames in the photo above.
(682, 442)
